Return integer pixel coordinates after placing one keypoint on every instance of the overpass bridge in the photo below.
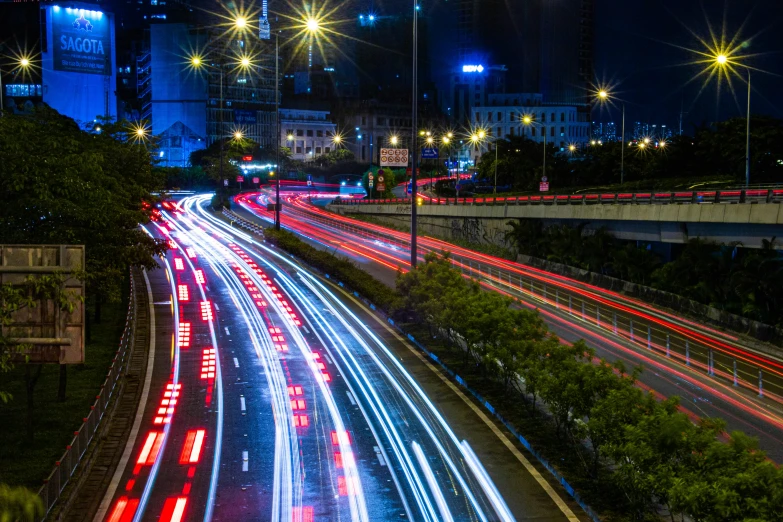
(746, 216)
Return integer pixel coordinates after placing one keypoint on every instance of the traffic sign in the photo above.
(543, 186)
(225, 182)
(429, 153)
(409, 190)
(394, 157)
(380, 177)
(240, 179)
(381, 187)
(309, 183)
(256, 180)
(544, 178)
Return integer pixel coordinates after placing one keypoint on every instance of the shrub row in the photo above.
(649, 452)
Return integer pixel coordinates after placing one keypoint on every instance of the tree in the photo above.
(60, 184)
(19, 504)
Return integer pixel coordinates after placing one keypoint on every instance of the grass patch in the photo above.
(27, 463)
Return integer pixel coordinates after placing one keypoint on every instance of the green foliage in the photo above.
(743, 281)
(717, 151)
(19, 504)
(334, 157)
(30, 294)
(598, 252)
(625, 440)
(390, 181)
(59, 184)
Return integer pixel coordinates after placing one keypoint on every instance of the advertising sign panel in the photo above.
(82, 41)
(394, 157)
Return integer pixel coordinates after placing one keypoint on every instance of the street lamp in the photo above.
(23, 63)
(603, 97)
(528, 120)
(414, 126)
(394, 140)
(723, 62)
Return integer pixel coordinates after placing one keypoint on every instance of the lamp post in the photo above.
(277, 129)
(414, 126)
(724, 62)
(22, 64)
(528, 120)
(603, 96)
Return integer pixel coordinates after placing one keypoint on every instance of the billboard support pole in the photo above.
(414, 135)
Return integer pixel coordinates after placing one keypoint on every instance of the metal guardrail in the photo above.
(64, 468)
(618, 198)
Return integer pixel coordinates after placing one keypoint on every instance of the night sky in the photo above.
(636, 51)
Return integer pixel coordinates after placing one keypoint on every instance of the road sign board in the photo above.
(309, 183)
(240, 179)
(394, 157)
(409, 189)
(544, 178)
(45, 332)
(429, 153)
(381, 187)
(543, 186)
(371, 183)
(380, 178)
(225, 182)
(256, 180)
(371, 177)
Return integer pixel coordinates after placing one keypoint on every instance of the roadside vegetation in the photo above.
(742, 281)
(60, 184)
(629, 455)
(716, 151)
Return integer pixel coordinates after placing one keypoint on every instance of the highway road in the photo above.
(716, 373)
(272, 394)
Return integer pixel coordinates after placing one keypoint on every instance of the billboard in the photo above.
(81, 41)
(394, 157)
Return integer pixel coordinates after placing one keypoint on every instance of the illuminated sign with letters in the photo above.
(472, 68)
(82, 41)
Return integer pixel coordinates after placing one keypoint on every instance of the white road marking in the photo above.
(216, 306)
(244, 461)
(350, 397)
(379, 455)
(242, 403)
(305, 329)
(236, 362)
(226, 329)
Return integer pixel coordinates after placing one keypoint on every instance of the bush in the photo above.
(622, 439)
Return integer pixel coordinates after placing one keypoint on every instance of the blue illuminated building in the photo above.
(78, 62)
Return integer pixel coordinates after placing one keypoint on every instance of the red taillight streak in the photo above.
(124, 509)
(173, 509)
